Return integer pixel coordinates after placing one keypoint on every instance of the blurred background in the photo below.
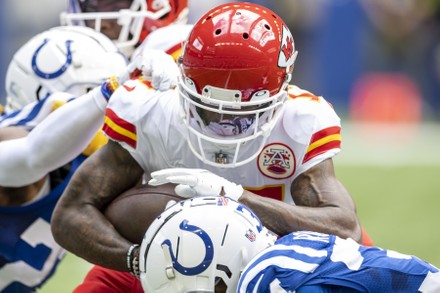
(378, 63)
(373, 59)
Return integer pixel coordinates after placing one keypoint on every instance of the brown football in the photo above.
(134, 210)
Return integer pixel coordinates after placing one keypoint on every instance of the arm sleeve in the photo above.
(57, 140)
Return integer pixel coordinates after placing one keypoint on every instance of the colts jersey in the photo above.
(148, 124)
(32, 114)
(28, 253)
(313, 259)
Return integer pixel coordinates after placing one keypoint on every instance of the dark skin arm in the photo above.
(78, 224)
(322, 205)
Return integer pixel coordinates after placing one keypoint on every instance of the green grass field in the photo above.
(396, 186)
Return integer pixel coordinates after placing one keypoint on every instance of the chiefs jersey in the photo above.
(148, 124)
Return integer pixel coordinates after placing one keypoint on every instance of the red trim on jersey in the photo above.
(119, 129)
(323, 141)
(325, 132)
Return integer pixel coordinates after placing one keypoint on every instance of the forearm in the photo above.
(283, 218)
(78, 223)
(54, 142)
(83, 230)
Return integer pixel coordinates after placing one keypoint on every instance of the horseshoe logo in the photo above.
(56, 73)
(209, 248)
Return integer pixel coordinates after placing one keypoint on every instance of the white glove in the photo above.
(154, 65)
(196, 182)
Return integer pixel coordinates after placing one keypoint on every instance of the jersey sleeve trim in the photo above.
(119, 129)
(322, 141)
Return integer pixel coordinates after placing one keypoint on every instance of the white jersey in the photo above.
(148, 124)
(168, 38)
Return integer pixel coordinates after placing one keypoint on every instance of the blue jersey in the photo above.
(305, 261)
(32, 114)
(28, 253)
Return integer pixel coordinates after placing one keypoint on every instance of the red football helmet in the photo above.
(126, 22)
(178, 14)
(236, 65)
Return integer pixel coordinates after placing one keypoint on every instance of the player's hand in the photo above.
(196, 182)
(154, 65)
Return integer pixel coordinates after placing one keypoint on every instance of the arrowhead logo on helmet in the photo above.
(287, 54)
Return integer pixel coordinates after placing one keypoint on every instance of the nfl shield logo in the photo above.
(250, 235)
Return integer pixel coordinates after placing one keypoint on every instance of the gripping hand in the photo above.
(196, 182)
(156, 66)
(153, 65)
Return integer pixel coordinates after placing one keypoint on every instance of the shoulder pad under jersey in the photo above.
(122, 112)
(306, 114)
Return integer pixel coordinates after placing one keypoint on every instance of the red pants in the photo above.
(102, 280)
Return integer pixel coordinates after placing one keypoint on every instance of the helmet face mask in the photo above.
(235, 67)
(219, 125)
(201, 245)
(126, 22)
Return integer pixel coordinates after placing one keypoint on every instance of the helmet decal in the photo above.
(242, 209)
(287, 51)
(56, 73)
(209, 251)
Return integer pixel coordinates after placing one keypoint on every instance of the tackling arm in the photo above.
(322, 205)
(54, 142)
(78, 223)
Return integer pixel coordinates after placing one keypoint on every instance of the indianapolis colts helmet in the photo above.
(62, 59)
(126, 22)
(236, 66)
(200, 244)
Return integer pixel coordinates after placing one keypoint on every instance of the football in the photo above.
(133, 211)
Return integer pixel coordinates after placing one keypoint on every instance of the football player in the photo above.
(50, 70)
(126, 22)
(214, 244)
(234, 118)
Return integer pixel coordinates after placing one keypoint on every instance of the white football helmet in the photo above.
(62, 59)
(200, 245)
(126, 22)
(236, 65)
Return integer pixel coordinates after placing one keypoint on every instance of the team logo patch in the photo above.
(276, 161)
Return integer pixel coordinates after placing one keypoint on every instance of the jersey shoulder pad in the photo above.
(169, 39)
(306, 114)
(122, 112)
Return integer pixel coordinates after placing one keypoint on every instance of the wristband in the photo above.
(109, 86)
(133, 261)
